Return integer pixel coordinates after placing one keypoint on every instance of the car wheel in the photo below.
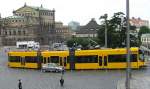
(56, 71)
(43, 70)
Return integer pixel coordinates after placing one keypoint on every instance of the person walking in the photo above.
(20, 84)
(62, 82)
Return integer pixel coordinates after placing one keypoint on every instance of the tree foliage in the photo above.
(85, 43)
(76, 41)
(143, 30)
(116, 32)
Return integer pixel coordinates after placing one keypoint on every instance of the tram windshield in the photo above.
(141, 55)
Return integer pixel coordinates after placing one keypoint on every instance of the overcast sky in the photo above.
(81, 10)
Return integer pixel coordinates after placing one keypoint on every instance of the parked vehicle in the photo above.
(52, 67)
(28, 45)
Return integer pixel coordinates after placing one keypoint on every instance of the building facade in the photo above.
(88, 30)
(138, 22)
(30, 23)
(145, 39)
(63, 32)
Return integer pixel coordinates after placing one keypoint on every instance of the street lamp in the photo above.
(105, 18)
(128, 72)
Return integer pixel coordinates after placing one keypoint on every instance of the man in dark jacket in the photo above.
(20, 84)
(62, 82)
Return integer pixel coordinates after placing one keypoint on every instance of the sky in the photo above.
(81, 10)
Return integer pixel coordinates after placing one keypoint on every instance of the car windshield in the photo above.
(52, 65)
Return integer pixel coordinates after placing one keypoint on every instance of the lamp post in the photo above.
(105, 18)
(128, 70)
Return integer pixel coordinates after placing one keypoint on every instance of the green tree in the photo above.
(76, 41)
(70, 43)
(143, 30)
(116, 31)
(84, 42)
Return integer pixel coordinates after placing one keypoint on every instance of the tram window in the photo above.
(71, 59)
(65, 61)
(117, 58)
(105, 61)
(49, 60)
(54, 59)
(41, 59)
(100, 61)
(68, 59)
(122, 58)
(61, 61)
(31, 59)
(133, 58)
(87, 59)
(44, 61)
(14, 58)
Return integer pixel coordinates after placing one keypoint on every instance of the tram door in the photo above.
(44, 60)
(105, 61)
(22, 60)
(72, 58)
(100, 62)
(60, 61)
(63, 61)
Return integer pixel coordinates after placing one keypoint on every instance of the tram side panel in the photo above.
(22, 59)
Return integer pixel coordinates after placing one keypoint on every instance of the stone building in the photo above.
(28, 23)
(62, 32)
(88, 30)
(138, 22)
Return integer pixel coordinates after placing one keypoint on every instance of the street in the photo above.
(35, 79)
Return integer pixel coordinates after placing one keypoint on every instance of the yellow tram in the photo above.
(82, 59)
(23, 59)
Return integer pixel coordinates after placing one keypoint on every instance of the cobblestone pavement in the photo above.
(35, 79)
(135, 83)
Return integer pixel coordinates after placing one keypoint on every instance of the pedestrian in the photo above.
(62, 82)
(20, 84)
(63, 70)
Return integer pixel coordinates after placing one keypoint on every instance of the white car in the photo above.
(52, 67)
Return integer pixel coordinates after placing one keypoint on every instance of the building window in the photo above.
(51, 14)
(14, 32)
(19, 32)
(24, 32)
(5, 32)
(9, 32)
